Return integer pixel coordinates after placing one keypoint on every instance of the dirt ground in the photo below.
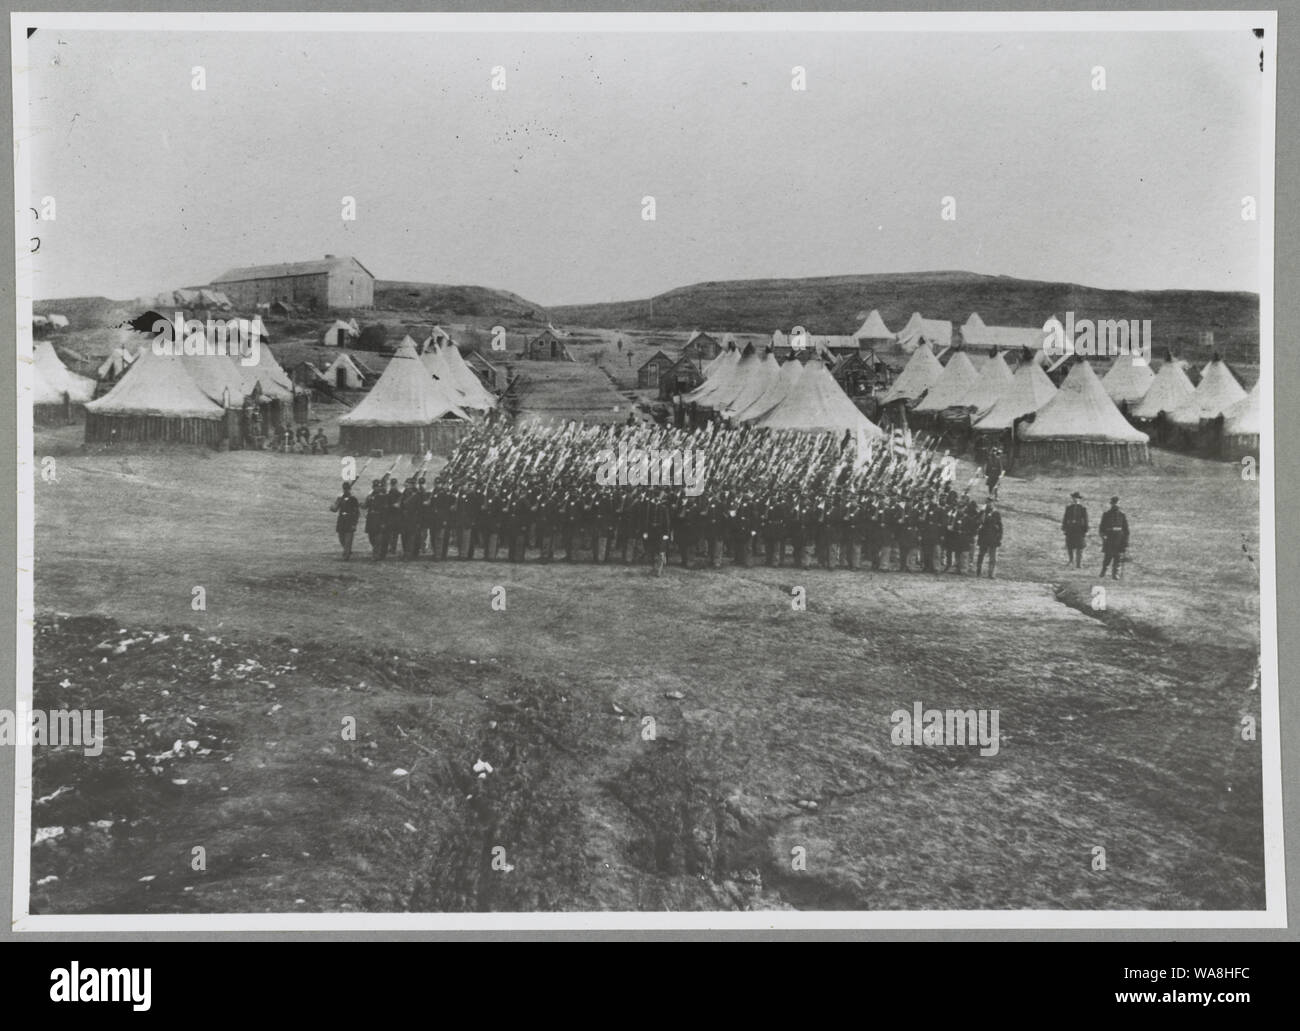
(766, 779)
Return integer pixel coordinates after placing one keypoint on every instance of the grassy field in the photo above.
(771, 726)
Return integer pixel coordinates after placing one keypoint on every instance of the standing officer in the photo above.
(1075, 527)
(1114, 538)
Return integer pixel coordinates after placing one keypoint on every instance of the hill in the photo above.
(837, 304)
(471, 301)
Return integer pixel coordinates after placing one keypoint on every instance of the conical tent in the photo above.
(1081, 424)
(156, 400)
(1215, 394)
(464, 378)
(918, 376)
(1126, 381)
(435, 362)
(816, 404)
(874, 328)
(119, 358)
(1243, 418)
(993, 381)
(972, 330)
(724, 383)
(56, 376)
(958, 378)
(1170, 389)
(1029, 390)
(720, 371)
(404, 411)
(785, 379)
(763, 375)
(937, 332)
(746, 368)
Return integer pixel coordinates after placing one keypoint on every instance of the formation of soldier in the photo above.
(748, 496)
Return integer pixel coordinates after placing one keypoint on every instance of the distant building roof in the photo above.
(294, 268)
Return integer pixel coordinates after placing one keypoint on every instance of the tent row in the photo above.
(748, 387)
(194, 399)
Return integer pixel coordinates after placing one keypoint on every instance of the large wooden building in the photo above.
(333, 282)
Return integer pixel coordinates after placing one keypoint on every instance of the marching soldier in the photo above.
(349, 510)
(655, 525)
(411, 521)
(1114, 538)
(932, 534)
(374, 506)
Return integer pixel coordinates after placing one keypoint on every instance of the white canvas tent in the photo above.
(57, 378)
(816, 404)
(404, 411)
(1082, 426)
(935, 332)
(1241, 425)
(993, 381)
(1169, 390)
(786, 377)
(1029, 390)
(1215, 394)
(919, 375)
(873, 328)
(156, 400)
(470, 386)
(760, 379)
(720, 380)
(1126, 381)
(951, 387)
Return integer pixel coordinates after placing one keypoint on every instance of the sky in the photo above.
(538, 188)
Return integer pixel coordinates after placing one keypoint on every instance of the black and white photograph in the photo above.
(645, 471)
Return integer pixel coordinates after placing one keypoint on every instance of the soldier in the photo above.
(951, 531)
(1114, 538)
(908, 530)
(989, 538)
(993, 471)
(440, 522)
(715, 529)
(741, 523)
(686, 522)
(967, 525)
(1074, 525)
(655, 526)
(773, 517)
(570, 522)
(320, 444)
(374, 506)
(606, 506)
(855, 529)
(932, 534)
(412, 524)
(628, 528)
(349, 511)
